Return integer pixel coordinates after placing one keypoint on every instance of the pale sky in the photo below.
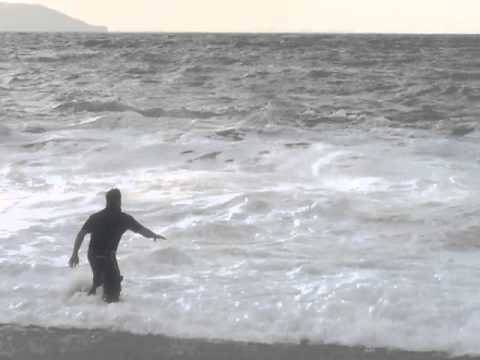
(417, 16)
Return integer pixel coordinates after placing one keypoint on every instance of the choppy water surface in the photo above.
(320, 187)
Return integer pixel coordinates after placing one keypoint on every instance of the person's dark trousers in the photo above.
(105, 272)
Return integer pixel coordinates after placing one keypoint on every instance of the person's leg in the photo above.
(97, 265)
(112, 281)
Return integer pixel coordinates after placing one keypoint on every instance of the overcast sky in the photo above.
(425, 16)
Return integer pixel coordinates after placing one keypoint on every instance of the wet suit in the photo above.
(106, 228)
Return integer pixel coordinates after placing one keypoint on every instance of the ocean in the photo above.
(318, 189)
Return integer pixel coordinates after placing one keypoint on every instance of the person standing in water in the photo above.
(106, 228)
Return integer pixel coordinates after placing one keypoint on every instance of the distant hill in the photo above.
(33, 18)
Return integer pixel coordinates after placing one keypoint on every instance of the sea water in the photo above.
(311, 187)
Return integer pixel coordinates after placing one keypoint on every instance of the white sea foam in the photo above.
(288, 217)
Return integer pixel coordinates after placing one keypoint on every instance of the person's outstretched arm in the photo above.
(78, 243)
(138, 228)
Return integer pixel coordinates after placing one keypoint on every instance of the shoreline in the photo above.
(33, 342)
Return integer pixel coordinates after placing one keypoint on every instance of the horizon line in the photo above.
(246, 32)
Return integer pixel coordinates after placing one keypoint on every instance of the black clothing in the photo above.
(105, 272)
(106, 228)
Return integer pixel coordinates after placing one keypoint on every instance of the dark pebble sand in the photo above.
(25, 343)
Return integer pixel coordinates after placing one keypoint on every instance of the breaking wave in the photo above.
(318, 188)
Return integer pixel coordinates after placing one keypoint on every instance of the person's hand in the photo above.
(73, 260)
(157, 236)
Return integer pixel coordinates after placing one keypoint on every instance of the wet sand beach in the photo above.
(53, 343)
